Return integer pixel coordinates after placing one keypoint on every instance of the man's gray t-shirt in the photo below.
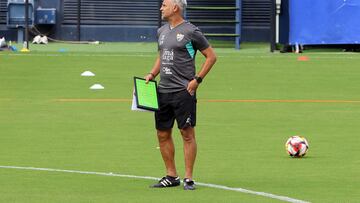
(177, 48)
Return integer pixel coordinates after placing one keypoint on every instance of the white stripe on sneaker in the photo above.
(163, 183)
(170, 183)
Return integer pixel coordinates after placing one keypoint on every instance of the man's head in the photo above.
(171, 8)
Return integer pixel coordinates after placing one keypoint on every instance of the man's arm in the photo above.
(209, 62)
(154, 71)
(210, 56)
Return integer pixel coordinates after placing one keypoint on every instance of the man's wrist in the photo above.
(152, 74)
(198, 79)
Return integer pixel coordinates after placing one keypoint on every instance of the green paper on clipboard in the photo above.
(146, 94)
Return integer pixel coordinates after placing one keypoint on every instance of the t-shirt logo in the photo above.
(179, 37)
(161, 40)
(167, 70)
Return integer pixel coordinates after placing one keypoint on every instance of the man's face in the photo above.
(167, 9)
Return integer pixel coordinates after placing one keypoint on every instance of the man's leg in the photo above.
(167, 149)
(168, 154)
(190, 148)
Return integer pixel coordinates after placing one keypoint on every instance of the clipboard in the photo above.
(146, 94)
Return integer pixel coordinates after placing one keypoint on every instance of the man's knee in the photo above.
(164, 135)
(188, 134)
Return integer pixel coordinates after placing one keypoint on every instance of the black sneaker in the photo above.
(189, 184)
(167, 181)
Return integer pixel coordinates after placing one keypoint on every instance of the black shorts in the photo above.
(177, 105)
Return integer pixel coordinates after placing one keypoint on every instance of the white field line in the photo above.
(264, 194)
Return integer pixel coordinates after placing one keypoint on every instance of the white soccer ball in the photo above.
(297, 146)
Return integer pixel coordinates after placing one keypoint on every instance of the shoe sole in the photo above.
(151, 186)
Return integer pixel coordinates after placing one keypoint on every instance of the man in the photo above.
(178, 42)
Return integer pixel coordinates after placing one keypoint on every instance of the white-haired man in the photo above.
(178, 42)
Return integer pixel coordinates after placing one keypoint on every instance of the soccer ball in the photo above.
(297, 146)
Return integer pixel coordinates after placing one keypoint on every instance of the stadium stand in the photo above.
(138, 20)
(110, 12)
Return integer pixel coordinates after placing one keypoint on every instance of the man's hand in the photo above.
(154, 71)
(148, 77)
(192, 86)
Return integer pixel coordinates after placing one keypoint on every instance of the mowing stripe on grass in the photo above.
(223, 100)
(311, 55)
(278, 101)
(264, 194)
(92, 100)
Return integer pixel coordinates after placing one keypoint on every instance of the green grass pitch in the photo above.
(240, 143)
